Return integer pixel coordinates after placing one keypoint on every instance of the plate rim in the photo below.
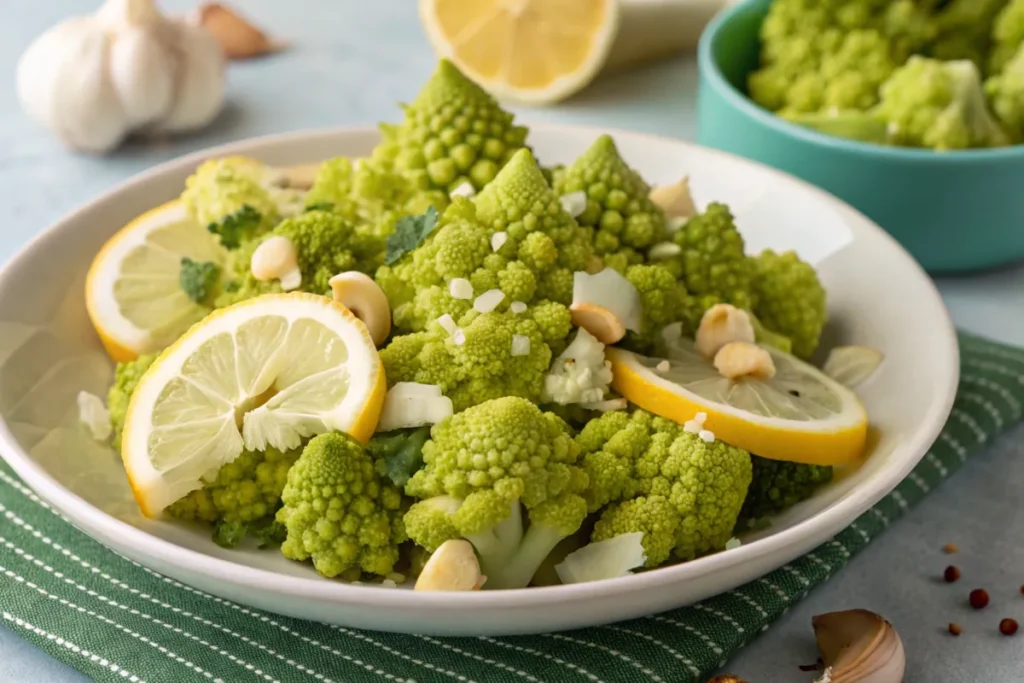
(841, 514)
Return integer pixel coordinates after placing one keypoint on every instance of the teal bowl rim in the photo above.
(708, 67)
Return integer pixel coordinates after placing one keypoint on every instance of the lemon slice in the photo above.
(534, 51)
(798, 415)
(269, 371)
(132, 290)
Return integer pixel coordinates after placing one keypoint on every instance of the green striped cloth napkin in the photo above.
(115, 620)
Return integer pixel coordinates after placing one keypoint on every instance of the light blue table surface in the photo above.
(351, 62)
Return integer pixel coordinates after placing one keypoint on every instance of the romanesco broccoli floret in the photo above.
(790, 299)
(482, 467)
(1005, 93)
(777, 486)
(243, 491)
(624, 219)
(664, 300)
(941, 105)
(326, 245)
(514, 236)
(231, 197)
(339, 512)
(453, 132)
(126, 378)
(1007, 35)
(473, 360)
(638, 462)
(712, 264)
(964, 30)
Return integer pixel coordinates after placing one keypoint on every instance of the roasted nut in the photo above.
(743, 359)
(721, 325)
(360, 294)
(675, 199)
(598, 321)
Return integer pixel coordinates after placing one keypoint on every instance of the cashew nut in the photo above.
(675, 199)
(722, 324)
(452, 567)
(277, 259)
(598, 321)
(744, 359)
(360, 294)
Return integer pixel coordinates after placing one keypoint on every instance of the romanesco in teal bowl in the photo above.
(911, 111)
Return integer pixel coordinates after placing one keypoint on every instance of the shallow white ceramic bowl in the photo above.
(877, 297)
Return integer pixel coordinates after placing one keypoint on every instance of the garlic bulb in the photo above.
(93, 80)
(858, 646)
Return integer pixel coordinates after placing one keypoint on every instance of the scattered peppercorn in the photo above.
(1022, 590)
(950, 548)
(1008, 627)
(809, 667)
(955, 629)
(979, 598)
(951, 574)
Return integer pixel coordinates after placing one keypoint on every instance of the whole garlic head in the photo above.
(93, 80)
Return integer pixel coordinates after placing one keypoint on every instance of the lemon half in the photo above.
(533, 51)
(270, 371)
(799, 415)
(133, 292)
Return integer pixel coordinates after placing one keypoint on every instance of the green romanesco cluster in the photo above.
(513, 236)
(777, 486)
(664, 300)
(624, 221)
(648, 474)
(126, 378)
(453, 133)
(487, 468)
(790, 299)
(475, 361)
(912, 73)
(339, 512)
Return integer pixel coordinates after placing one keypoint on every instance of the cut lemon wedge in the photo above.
(270, 371)
(797, 415)
(133, 292)
(533, 51)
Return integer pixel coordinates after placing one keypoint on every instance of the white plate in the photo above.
(878, 297)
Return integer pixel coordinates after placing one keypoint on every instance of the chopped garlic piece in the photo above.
(664, 251)
(663, 367)
(517, 307)
(464, 190)
(498, 240)
(520, 345)
(94, 415)
(488, 301)
(459, 337)
(574, 203)
(460, 288)
(448, 323)
(733, 543)
(695, 425)
(410, 404)
(607, 406)
(291, 280)
(706, 436)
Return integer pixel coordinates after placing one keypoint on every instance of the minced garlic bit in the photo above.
(517, 307)
(460, 288)
(706, 436)
(488, 301)
(94, 415)
(520, 345)
(733, 543)
(459, 337)
(663, 367)
(498, 240)
(464, 190)
(664, 251)
(695, 425)
(574, 203)
(448, 323)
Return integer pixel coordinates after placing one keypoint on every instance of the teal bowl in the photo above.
(954, 211)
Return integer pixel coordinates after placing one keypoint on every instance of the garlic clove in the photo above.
(675, 199)
(452, 567)
(200, 79)
(859, 646)
(360, 294)
(237, 37)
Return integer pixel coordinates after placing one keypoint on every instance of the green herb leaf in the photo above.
(410, 231)
(320, 206)
(269, 532)
(237, 227)
(198, 279)
(399, 453)
(229, 534)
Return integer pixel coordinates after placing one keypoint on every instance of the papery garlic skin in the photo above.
(94, 80)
